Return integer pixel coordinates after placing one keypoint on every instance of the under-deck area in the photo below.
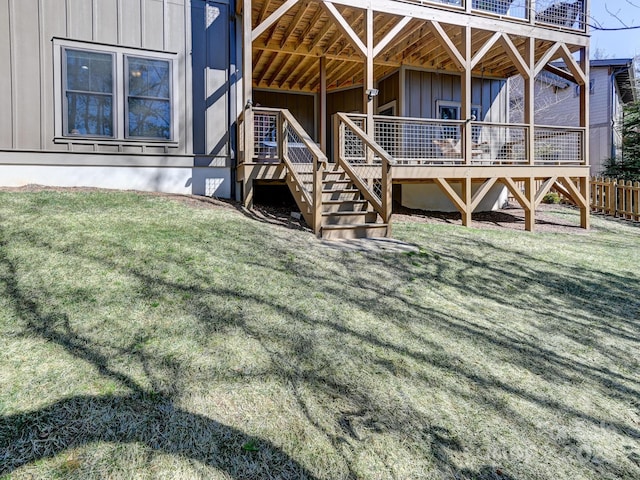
(446, 62)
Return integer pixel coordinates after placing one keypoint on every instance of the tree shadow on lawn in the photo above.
(147, 416)
(294, 359)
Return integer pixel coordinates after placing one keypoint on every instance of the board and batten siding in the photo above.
(198, 157)
(424, 89)
(26, 50)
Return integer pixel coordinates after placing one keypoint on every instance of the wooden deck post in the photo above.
(247, 93)
(530, 194)
(467, 201)
(369, 100)
(465, 106)
(323, 104)
(585, 211)
(529, 100)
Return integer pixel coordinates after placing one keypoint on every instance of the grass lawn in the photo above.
(143, 337)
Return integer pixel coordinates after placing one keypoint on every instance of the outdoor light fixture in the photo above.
(372, 92)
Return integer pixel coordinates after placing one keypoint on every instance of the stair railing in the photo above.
(279, 136)
(366, 162)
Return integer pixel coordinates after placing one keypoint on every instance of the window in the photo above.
(592, 88)
(148, 98)
(113, 93)
(89, 93)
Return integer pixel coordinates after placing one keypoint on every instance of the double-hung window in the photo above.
(89, 92)
(148, 103)
(114, 93)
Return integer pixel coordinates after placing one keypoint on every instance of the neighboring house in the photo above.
(611, 86)
(408, 98)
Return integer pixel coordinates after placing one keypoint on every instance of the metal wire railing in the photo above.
(417, 141)
(412, 141)
(265, 141)
(565, 14)
(366, 162)
(558, 146)
(499, 144)
(510, 8)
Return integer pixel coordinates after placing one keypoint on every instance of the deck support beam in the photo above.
(530, 213)
(323, 104)
(369, 100)
(247, 94)
(466, 198)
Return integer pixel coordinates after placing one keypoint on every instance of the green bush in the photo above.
(551, 197)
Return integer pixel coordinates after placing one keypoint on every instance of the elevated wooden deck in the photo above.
(366, 170)
(321, 46)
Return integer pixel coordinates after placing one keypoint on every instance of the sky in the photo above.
(622, 44)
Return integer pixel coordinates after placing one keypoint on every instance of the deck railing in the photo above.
(563, 14)
(559, 146)
(278, 137)
(367, 163)
(421, 141)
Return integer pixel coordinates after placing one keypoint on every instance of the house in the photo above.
(611, 86)
(351, 104)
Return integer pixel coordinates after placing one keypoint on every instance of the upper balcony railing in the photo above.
(560, 14)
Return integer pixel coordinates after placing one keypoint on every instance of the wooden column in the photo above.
(530, 194)
(465, 104)
(368, 74)
(323, 104)
(529, 99)
(584, 122)
(467, 200)
(247, 94)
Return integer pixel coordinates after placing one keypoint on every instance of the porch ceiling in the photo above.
(286, 56)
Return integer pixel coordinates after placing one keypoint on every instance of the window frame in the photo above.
(65, 90)
(120, 91)
(127, 132)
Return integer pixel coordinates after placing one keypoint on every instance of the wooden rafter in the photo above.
(272, 19)
(388, 38)
(439, 32)
(344, 27)
(293, 24)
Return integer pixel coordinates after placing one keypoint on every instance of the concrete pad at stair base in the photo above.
(371, 245)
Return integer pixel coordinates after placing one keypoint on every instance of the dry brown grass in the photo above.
(146, 338)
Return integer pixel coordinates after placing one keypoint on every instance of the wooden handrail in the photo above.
(384, 205)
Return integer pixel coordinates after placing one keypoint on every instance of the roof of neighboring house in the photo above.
(623, 74)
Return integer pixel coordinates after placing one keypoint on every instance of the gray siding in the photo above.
(389, 90)
(27, 28)
(301, 106)
(423, 90)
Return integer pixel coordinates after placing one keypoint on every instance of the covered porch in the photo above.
(326, 48)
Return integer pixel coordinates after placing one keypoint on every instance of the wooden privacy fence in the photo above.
(614, 197)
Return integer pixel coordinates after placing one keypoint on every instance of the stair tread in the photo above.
(353, 226)
(344, 213)
(339, 202)
(342, 190)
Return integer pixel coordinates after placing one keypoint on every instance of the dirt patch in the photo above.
(549, 218)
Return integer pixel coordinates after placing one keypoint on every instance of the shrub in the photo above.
(551, 197)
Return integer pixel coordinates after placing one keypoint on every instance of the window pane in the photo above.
(149, 78)
(89, 114)
(89, 71)
(149, 118)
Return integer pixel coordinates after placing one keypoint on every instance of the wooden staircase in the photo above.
(337, 200)
(345, 212)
